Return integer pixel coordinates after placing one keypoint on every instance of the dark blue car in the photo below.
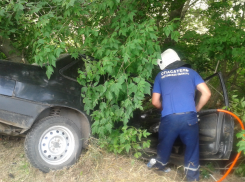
(49, 112)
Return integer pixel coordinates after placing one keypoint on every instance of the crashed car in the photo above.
(49, 112)
(216, 129)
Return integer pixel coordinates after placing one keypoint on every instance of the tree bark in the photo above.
(10, 51)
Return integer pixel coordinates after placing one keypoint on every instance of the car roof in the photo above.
(62, 61)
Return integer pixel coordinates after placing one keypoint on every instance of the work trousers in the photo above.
(184, 125)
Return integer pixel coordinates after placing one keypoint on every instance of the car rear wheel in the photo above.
(53, 143)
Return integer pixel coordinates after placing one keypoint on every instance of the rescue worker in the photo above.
(173, 93)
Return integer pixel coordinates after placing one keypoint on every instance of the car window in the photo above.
(71, 70)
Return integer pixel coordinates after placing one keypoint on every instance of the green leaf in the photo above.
(127, 147)
(147, 89)
(108, 126)
(126, 57)
(239, 135)
(110, 4)
(116, 88)
(58, 52)
(47, 49)
(74, 55)
(49, 71)
(131, 15)
(84, 89)
(166, 31)
(145, 145)
(41, 41)
(175, 35)
(170, 27)
(109, 95)
(137, 154)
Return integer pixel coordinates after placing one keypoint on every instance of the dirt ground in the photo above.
(94, 165)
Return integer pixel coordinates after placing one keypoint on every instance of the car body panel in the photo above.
(26, 91)
(6, 86)
(19, 112)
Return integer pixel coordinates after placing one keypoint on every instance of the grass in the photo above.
(94, 165)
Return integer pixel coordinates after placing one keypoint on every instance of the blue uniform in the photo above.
(177, 88)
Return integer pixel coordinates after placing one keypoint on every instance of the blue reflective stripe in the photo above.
(192, 169)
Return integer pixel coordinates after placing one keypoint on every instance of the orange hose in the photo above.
(235, 116)
(234, 162)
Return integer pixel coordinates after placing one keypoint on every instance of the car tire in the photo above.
(53, 143)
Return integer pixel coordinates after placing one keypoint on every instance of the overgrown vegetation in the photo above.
(238, 107)
(126, 37)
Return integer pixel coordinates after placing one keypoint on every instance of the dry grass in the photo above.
(94, 165)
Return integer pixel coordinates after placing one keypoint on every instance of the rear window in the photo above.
(71, 70)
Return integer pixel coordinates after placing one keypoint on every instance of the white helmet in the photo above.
(169, 56)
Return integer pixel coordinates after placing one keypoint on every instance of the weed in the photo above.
(240, 171)
(206, 170)
(132, 162)
(25, 166)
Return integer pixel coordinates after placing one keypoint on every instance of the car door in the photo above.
(216, 128)
(14, 109)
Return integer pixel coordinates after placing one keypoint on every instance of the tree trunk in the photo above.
(177, 9)
(10, 51)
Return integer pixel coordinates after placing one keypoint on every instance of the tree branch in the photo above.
(186, 7)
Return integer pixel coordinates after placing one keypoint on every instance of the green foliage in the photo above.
(214, 38)
(205, 171)
(238, 107)
(122, 35)
(241, 143)
(170, 29)
(2, 56)
(240, 170)
(125, 37)
(225, 44)
(115, 85)
(44, 28)
(128, 139)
